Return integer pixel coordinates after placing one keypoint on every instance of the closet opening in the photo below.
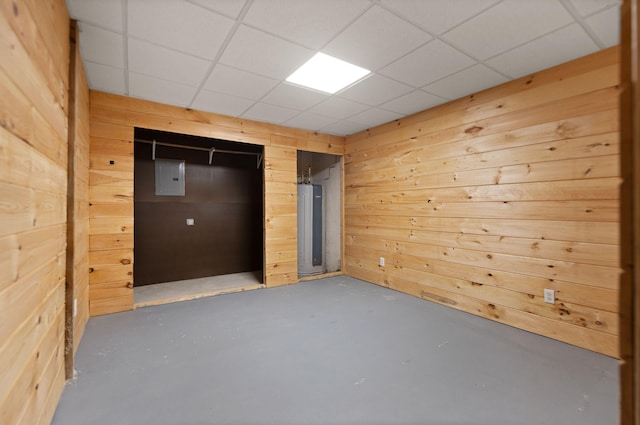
(198, 217)
(319, 214)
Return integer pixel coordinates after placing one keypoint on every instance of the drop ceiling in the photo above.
(232, 57)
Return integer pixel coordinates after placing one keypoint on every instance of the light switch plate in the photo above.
(550, 296)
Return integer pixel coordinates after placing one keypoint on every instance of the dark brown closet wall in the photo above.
(224, 199)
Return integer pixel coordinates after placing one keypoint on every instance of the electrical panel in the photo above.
(169, 177)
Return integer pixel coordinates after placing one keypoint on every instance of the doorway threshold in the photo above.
(191, 289)
(320, 276)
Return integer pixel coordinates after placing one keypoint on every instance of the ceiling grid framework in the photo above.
(125, 47)
(224, 45)
(232, 56)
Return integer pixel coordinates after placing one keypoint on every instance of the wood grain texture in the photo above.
(111, 226)
(280, 203)
(487, 100)
(34, 82)
(110, 218)
(482, 203)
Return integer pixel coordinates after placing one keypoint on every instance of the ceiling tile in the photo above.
(428, 63)
(375, 90)
(343, 128)
(337, 107)
(106, 14)
(101, 46)
(507, 25)
(374, 117)
(376, 39)
(179, 25)
(606, 25)
(588, 7)
(264, 54)
(170, 44)
(154, 89)
(269, 113)
(221, 103)
(463, 83)
(413, 102)
(230, 8)
(311, 23)
(224, 79)
(437, 16)
(290, 96)
(309, 121)
(156, 61)
(558, 47)
(105, 78)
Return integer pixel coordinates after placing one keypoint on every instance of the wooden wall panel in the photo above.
(34, 76)
(110, 215)
(281, 246)
(482, 203)
(111, 226)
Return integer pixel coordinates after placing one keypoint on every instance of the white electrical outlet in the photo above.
(550, 296)
(381, 261)
(191, 222)
(75, 307)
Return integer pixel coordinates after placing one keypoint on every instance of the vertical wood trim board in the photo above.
(34, 76)
(635, 284)
(71, 252)
(112, 123)
(79, 266)
(629, 218)
(482, 203)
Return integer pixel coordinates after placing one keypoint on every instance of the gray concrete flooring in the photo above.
(330, 351)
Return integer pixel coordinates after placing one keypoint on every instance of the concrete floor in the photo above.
(330, 351)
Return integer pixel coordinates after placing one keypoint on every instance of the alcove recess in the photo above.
(325, 170)
(222, 198)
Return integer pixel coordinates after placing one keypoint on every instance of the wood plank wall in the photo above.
(112, 123)
(482, 203)
(110, 216)
(34, 75)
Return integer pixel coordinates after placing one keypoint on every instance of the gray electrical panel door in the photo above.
(169, 177)
(317, 225)
(310, 230)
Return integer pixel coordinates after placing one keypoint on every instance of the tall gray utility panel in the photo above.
(310, 230)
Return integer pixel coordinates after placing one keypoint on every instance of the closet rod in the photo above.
(196, 148)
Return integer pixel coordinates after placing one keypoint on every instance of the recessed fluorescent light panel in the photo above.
(326, 73)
